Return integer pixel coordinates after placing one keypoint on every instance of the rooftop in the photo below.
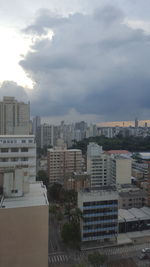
(37, 196)
(17, 136)
(63, 150)
(126, 215)
(134, 214)
(145, 155)
(118, 152)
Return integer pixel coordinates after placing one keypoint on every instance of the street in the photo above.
(114, 253)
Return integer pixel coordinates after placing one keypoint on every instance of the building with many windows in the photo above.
(45, 135)
(97, 166)
(100, 215)
(18, 150)
(62, 162)
(14, 116)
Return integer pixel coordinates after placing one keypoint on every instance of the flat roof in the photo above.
(63, 150)
(17, 136)
(118, 152)
(145, 155)
(37, 196)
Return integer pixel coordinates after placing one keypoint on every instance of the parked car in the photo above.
(143, 257)
(146, 250)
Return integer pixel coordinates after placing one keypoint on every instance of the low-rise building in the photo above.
(77, 181)
(134, 219)
(132, 198)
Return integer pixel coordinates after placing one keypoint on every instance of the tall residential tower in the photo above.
(14, 116)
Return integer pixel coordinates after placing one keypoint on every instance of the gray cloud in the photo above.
(10, 88)
(94, 64)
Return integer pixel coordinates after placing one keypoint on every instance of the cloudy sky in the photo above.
(77, 59)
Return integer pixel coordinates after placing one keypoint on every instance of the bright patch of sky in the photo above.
(13, 46)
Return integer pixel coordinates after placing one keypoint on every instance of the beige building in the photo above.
(14, 116)
(23, 222)
(77, 181)
(120, 169)
(62, 162)
(131, 196)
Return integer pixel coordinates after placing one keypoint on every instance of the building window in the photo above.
(24, 149)
(24, 159)
(14, 191)
(14, 149)
(4, 150)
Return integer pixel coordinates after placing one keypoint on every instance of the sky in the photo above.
(77, 60)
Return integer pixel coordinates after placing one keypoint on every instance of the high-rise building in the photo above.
(99, 215)
(108, 168)
(62, 162)
(23, 220)
(97, 166)
(18, 150)
(36, 124)
(136, 123)
(14, 116)
(45, 135)
(120, 169)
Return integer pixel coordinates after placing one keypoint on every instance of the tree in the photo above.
(96, 259)
(71, 233)
(54, 191)
(53, 209)
(42, 176)
(81, 264)
(75, 215)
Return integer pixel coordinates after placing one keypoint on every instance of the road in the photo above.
(60, 255)
(55, 243)
(113, 253)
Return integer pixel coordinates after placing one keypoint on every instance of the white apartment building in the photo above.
(14, 116)
(97, 166)
(106, 168)
(18, 151)
(24, 210)
(63, 162)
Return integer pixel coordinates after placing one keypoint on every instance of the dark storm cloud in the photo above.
(95, 64)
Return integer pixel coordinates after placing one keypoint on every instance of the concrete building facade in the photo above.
(36, 124)
(63, 162)
(18, 150)
(120, 169)
(23, 221)
(100, 215)
(45, 135)
(14, 117)
(97, 166)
